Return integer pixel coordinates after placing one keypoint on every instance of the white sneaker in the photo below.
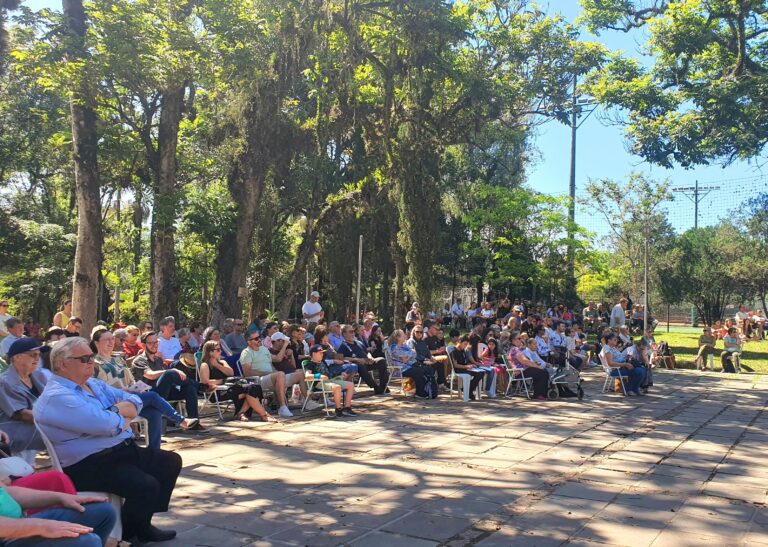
(284, 412)
(312, 405)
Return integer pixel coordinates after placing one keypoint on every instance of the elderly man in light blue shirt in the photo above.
(88, 424)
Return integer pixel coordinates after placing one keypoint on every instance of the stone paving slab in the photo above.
(682, 466)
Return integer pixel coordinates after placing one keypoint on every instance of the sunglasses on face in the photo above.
(83, 358)
(256, 339)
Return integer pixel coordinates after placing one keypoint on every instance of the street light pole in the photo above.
(572, 194)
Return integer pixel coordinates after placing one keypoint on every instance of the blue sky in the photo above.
(602, 150)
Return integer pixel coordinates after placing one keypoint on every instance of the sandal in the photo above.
(242, 417)
(267, 418)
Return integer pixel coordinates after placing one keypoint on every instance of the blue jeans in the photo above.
(171, 387)
(153, 409)
(636, 377)
(99, 516)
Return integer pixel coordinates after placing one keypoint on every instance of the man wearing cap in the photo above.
(414, 314)
(88, 424)
(256, 361)
(20, 386)
(312, 311)
(282, 357)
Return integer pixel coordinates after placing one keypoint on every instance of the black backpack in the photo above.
(728, 365)
(430, 384)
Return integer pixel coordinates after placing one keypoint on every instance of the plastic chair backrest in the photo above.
(49, 448)
(603, 362)
(481, 347)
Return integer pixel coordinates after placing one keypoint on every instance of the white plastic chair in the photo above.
(608, 376)
(114, 499)
(462, 380)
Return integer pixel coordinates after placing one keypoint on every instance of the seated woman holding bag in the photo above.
(214, 371)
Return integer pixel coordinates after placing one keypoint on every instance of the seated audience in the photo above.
(246, 398)
(73, 327)
(356, 353)
(131, 345)
(528, 369)
(15, 327)
(707, 343)
(235, 339)
(172, 384)
(316, 365)
(20, 386)
(61, 519)
(169, 346)
(88, 424)
(256, 362)
(404, 357)
(112, 370)
(214, 334)
(282, 356)
(620, 365)
(423, 354)
(461, 365)
(732, 349)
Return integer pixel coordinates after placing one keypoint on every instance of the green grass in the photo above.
(684, 344)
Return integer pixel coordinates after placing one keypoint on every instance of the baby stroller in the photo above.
(565, 382)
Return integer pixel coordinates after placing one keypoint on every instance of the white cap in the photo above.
(315, 293)
(279, 336)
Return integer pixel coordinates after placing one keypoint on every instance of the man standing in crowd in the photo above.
(618, 318)
(312, 311)
(88, 423)
(457, 312)
(354, 352)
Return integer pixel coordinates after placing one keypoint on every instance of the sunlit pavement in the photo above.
(684, 465)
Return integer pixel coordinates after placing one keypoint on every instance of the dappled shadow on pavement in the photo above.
(682, 465)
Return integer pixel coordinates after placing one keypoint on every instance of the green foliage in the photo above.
(704, 98)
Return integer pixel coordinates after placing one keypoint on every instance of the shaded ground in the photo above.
(682, 466)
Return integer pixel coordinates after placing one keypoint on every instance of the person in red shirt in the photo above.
(131, 346)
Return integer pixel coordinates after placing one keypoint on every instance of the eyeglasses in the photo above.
(82, 358)
(254, 339)
(217, 348)
(238, 324)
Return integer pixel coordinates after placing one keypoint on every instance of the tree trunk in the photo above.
(163, 289)
(234, 253)
(398, 310)
(85, 286)
(138, 221)
(303, 254)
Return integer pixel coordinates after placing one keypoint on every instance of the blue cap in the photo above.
(315, 348)
(25, 344)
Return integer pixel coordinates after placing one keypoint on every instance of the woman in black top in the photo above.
(214, 371)
(376, 342)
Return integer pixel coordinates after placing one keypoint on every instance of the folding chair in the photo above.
(608, 376)
(312, 382)
(212, 397)
(395, 371)
(114, 499)
(521, 381)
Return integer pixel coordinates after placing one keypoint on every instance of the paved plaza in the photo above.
(683, 466)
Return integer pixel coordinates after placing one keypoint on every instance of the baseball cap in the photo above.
(279, 336)
(415, 305)
(316, 348)
(315, 293)
(25, 344)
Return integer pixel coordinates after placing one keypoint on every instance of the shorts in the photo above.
(328, 385)
(267, 382)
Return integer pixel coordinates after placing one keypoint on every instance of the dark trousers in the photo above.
(171, 387)
(539, 378)
(99, 516)
(144, 477)
(380, 365)
(477, 377)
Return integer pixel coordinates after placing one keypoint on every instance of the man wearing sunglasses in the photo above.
(256, 361)
(88, 424)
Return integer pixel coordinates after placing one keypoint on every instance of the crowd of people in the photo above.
(84, 391)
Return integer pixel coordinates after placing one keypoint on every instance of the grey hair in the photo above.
(120, 334)
(167, 321)
(182, 332)
(228, 321)
(61, 349)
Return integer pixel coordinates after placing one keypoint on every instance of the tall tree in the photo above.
(703, 99)
(88, 255)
